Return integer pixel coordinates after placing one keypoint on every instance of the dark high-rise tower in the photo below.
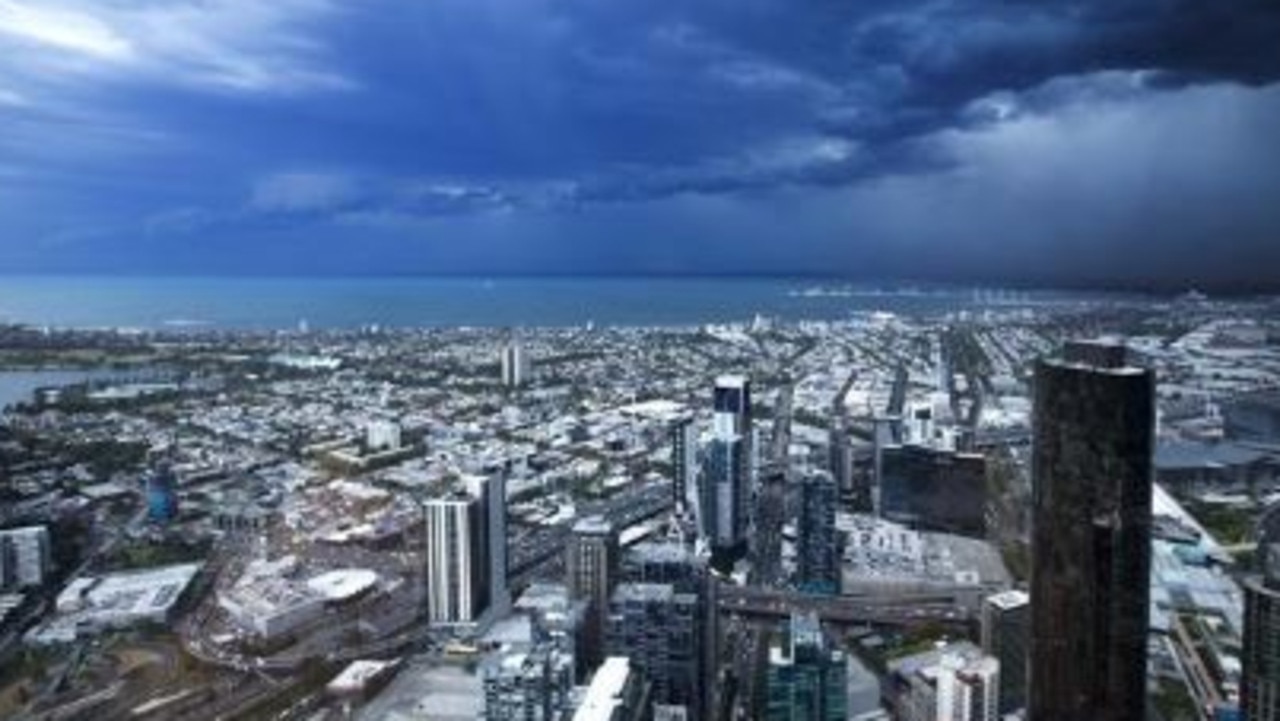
(817, 554)
(721, 504)
(1260, 680)
(1090, 585)
(1006, 617)
(591, 562)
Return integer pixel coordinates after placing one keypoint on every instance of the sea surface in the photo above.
(20, 386)
(279, 303)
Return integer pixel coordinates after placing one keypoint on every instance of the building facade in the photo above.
(466, 549)
(934, 489)
(534, 684)
(515, 365)
(723, 500)
(1093, 441)
(591, 562)
(817, 549)
(684, 460)
(1260, 661)
(806, 678)
(1006, 633)
(657, 628)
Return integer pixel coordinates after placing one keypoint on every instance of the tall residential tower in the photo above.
(466, 536)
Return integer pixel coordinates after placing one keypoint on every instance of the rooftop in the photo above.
(605, 694)
(1009, 599)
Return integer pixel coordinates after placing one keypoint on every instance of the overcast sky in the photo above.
(1113, 142)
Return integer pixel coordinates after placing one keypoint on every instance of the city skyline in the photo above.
(1065, 143)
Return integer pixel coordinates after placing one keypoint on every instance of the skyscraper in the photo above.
(493, 494)
(684, 459)
(591, 562)
(466, 552)
(806, 678)
(1260, 677)
(1090, 585)
(1006, 632)
(722, 502)
(724, 498)
(817, 553)
(515, 365)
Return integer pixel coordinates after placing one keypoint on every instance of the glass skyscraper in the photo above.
(806, 678)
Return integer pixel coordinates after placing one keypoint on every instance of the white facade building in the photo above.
(515, 365)
(467, 552)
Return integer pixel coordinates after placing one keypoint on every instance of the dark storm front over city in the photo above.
(1050, 143)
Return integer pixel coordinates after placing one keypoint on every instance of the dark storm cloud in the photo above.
(722, 135)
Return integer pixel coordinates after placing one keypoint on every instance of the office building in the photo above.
(676, 565)
(934, 489)
(817, 550)
(618, 692)
(806, 678)
(1093, 439)
(954, 683)
(1260, 677)
(162, 494)
(467, 553)
(657, 628)
(684, 460)
(515, 365)
(724, 496)
(26, 557)
(591, 563)
(723, 500)
(1006, 633)
(528, 684)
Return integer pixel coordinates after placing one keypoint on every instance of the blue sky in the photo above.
(1107, 142)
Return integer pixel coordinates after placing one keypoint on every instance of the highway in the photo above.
(845, 610)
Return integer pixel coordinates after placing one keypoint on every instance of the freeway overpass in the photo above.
(907, 610)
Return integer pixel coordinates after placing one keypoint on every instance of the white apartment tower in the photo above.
(466, 553)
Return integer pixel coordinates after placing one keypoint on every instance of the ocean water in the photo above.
(20, 386)
(277, 303)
